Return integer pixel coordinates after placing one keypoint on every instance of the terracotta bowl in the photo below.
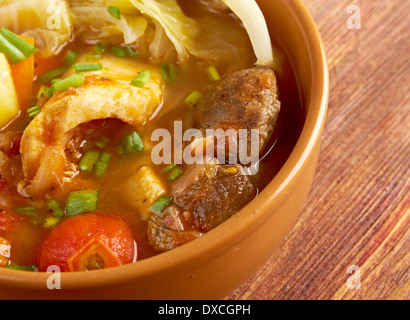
(221, 261)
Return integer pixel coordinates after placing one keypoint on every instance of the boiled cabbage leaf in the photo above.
(47, 21)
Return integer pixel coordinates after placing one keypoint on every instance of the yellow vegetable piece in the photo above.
(9, 106)
(143, 188)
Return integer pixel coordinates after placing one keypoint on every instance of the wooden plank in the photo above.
(358, 211)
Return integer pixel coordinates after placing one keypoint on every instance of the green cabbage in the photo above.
(107, 28)
(165, 26)
(48, 21)
(153, 26)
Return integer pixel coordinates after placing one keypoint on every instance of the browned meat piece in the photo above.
(212, 194)
(246, 99)
(204, 197)
(168, 231)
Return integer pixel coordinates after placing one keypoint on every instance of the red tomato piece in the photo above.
(88, 242)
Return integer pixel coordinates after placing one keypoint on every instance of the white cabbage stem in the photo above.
(255, 24)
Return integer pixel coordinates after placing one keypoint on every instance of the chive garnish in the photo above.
(169, 168)
(102, 143)
(51, 222)
(73, 81)
(159, 205)
(102, 165)
(193, 98)
(142, 79)
(55, 207)
(31, 212)
(13, 54)
(130, 143)
(50, 91)
(88, 161)
(70, 58)
(82, 201)
(115, 12)
(174, 174)
(213, 73)
(98, 49)
(32, 112)
(51, 75)
(26, 48)
(131, 53)
(21, 268)
(120, 52)
(15, 48)
(87, 67)
(169, 72)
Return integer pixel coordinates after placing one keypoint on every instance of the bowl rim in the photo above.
(224, 236)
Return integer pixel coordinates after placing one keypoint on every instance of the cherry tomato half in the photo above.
(88, 242)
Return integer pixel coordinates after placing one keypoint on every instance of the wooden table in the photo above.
(358, 211)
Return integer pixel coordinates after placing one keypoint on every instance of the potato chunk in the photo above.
(143, 189)
(9, 107)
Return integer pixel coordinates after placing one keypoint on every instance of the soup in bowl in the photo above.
(153, 150)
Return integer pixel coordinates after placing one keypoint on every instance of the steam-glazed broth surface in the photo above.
(138, 208)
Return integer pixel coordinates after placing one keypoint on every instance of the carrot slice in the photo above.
(23, 76)
(47, 64)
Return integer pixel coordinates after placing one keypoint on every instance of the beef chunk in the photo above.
(167, 231)
(246, 99)
(212, 194)
(203, 198)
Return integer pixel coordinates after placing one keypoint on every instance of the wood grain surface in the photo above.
(358, 210)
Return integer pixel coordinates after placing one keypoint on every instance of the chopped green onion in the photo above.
(82, 201)
(31, 212)
(13, 54)
(98, 52)
(43, 90)
(131, 143)
(169, 72)
(73, 81)
(55, 206)
(55, 80)
(70, 58)
(174, 174)
(102, 143)
(193, 98)
(102, 165)
(59, 213)
(26, 48)
(51, 92)
(213, 73)
(21, 268)
(159, 206)
(169, 168)
(51, 222)
(99, 49)
(120, 52)
(115, 12)
(49, 76)
(87, 67)
(32, 112)
(142, 79)
(131, 53)
(92, 57)
(88, 161)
